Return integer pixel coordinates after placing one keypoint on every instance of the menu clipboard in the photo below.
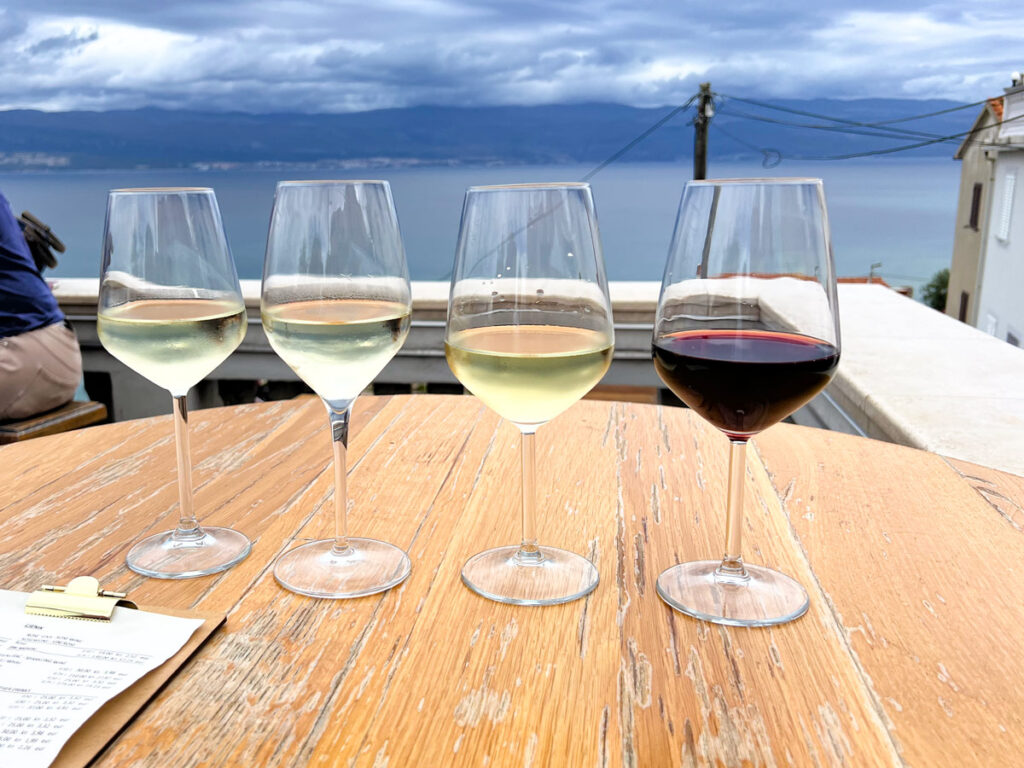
(110, 720)
(52, 674)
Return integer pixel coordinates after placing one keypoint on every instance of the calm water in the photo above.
(897, 212)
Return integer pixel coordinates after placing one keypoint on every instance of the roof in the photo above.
(993, 107)
(874, 279)
(997, 107)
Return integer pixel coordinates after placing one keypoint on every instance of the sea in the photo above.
(894, 212)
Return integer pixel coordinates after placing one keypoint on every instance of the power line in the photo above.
(611, 159)
(919, 144)
(863, 131)
(772, 157)
(804, 113)
(931, 114)
(890, 150)
(675, 111)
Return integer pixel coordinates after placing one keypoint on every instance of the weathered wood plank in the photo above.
(481, 680)
(700, 694)
(923, 579)
(289, 660)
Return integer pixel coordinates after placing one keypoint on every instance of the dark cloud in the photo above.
(63, 43)
(316, 55)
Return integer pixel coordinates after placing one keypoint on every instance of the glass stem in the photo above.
(529, 552)
(339, 415)
(732, 568)
(188, 526)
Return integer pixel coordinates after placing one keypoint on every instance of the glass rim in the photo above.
(328, 182)
(781, 180)
(157, 190)
(527, 185)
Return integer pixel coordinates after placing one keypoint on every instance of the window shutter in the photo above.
(1009, 182)
(975, 206)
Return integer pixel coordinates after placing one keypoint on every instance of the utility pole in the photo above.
(700, 135)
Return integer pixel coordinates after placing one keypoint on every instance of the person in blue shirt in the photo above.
(40, 363)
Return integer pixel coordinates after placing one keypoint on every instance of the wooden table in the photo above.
(909, 654)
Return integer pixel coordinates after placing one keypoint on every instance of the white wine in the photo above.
(172, 342)
(337, 346)
(529, 374)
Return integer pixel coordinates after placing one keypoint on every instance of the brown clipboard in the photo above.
(107, 723)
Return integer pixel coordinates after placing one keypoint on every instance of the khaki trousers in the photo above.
(39, 370)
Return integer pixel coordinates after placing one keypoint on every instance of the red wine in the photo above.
(743, 381)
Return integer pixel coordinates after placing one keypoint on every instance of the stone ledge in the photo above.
(633, 302)
(915, 376)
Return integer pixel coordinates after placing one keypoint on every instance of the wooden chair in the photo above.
(70, 416)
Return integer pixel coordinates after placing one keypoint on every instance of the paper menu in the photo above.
(56, 672)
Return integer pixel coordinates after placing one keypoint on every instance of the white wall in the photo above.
(1001, 299)
(1013, 110)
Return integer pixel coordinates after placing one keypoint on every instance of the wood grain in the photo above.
(1002, 491)
(906, 656)
(922, 578)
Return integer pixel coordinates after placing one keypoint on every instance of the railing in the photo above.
(908, 374)
(420, 361)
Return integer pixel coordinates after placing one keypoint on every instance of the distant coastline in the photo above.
(461, 137)
(38, 161)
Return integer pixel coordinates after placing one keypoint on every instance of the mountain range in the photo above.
(437, 135)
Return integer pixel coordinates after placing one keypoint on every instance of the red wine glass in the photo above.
(747, 331)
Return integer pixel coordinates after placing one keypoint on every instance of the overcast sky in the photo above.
(320, 56)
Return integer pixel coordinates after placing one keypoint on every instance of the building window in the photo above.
(962, 314)
(1012, 338)
(975, 207)
(1009, 182)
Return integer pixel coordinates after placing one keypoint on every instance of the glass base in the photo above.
(555, 577)
(365, 567)
(764, 598)
(172, 555)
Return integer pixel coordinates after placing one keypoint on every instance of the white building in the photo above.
(986, 286)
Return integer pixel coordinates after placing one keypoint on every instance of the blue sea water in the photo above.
(894, 211)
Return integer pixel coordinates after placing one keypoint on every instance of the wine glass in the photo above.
(747, 331)
(170, 308)
(529, 332)
(336, 305)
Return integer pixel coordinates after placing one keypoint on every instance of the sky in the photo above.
(318, 56)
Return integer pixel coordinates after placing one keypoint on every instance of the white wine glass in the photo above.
(336, 304)
(170, 308)
(747, 331)
(529, 332)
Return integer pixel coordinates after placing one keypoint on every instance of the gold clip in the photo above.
(82, 598)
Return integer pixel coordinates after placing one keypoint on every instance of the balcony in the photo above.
(908, 374)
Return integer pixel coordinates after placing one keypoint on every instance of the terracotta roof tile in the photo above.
(875, 279)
